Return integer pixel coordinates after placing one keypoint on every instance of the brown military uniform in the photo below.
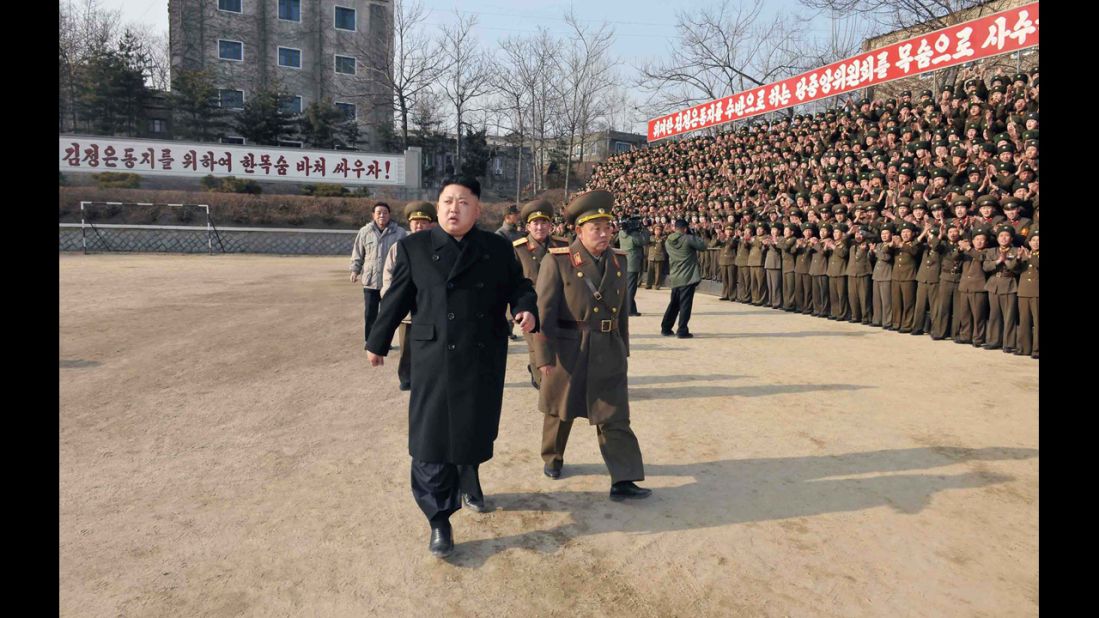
(944, 318)
(858, 282)
(755, 270)
(1001, 288)
(743, 279)
(903, 285)
(927, 289)
(882, 296)
(789, 262)
(1028, 306)
(837, 280)
(726, 261)
(531, 254)
(972, 299)
(818, 270)
(585, 337)
(657, 258)
(803, 281)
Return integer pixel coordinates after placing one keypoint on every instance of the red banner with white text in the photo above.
(992, 35)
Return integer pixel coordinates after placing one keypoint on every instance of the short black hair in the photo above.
(465, 181)
(681, 224)
(376, 204)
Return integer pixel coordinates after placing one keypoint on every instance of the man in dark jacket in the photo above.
(457, 281)
(683, 277)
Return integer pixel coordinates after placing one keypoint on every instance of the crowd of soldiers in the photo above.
(916, 214)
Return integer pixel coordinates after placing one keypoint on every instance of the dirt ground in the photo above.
(225, 450)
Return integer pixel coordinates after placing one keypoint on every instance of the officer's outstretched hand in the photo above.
(525, 320)
(376, 360)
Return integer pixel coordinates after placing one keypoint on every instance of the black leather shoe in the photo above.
(684, 336)
(442, 540)
(1009, 350)
(989, 346)
(723, 298)
(963, 341)
(627, 489)
(551, 471)
(916, 332)
(405, 386)
(477, 506)
(1034, 356)
(667, 333)
(514, 337)
(635, 315)
(934, 338)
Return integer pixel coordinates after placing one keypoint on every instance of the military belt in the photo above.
(605, 326)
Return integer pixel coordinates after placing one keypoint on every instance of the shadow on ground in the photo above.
(741, 491)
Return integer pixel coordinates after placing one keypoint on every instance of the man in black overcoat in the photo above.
(458, 282)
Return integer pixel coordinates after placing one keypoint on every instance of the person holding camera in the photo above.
(683, 277)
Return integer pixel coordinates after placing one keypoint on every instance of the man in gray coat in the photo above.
(372, 244)
(683, 277)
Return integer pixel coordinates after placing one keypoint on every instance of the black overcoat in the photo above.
(458, 338)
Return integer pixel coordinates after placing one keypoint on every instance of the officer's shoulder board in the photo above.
(559, 250)
(520, 242)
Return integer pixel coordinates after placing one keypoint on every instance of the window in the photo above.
(345, 65)
(156, 125)
(232, 99)
(290, 57)
(290, 10)
(621, 147)
(348, 110)
(232, 140)
(290, 104)
(345, 19)
(232, 6)
(230, 50)
(289, 144)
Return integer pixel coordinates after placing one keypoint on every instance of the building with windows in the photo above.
(310, 49)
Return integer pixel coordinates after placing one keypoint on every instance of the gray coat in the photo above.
(369, 251)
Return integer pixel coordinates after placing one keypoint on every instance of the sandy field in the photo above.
(226, 450)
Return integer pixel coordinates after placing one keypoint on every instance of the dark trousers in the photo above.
(1028, 325)
(882, 300)
(1001, 320)
(774, 286)
(803, 292)
(438, 488)
(743, 284)
(858, 298)
(654, 277)
(943, 321)
(927, 295)
(632, 279)
(972, 308)
(788, 286)
(820, 295)
(404, 365)
(617, 444)
(837, 296)
(728, 281)
(682, 300)
(904, 304)
(371, 298)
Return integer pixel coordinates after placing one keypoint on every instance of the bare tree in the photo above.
(410, 62)
(466, 77)
(586, 72)
(720, 50)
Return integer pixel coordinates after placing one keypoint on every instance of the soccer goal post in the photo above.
(111, 237)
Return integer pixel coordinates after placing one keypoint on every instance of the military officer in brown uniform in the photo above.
(657, 258)
(726, 261)
(789, 262)
(583, 345)
(882, 296)
(803, 281)
(743, 277)
(818, 270)
(1021, 225)
(531, 251)
(1001, 264)
(858, 278)
(972, 306)
(755, 267)
(906, 258)
(772, 265)
(1028, 299)
(836, 250)
(944, 321)
(927, 280)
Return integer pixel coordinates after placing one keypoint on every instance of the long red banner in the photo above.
(999, 33)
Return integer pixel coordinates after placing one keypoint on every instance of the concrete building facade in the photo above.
(310, 49)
